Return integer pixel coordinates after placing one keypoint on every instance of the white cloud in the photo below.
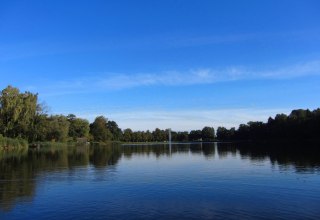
(120, 81)
(206, 76)
(297, 70)
(182, 120)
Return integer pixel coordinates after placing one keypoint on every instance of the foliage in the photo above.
(23, 118)
(159, 135)
(207, 134)
(12, 143)
(300, 124)
(78, 128)
(127, 135)
(17, 111)
(99, 129)
(115, 130)
(57, 128)
(195, 135)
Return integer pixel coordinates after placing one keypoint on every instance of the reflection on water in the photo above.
(20, 170)
(303, 157)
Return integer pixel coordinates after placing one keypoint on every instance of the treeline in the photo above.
(158, 135)
(299, 124)
(22, 117)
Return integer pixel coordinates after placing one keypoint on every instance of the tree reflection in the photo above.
(101, 156)
(16, 178)
(226, 149)
(20, 168)
(303, 156)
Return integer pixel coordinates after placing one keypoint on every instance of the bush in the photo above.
(13, 142)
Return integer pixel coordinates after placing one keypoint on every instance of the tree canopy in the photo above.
(299, 124)
(99, 129)
(21, 116)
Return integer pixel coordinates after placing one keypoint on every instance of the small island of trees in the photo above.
(23, 120)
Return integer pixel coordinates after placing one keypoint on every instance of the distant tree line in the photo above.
(299, 124)
(159, 135)
(22, 117)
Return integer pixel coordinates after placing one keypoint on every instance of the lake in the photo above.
(161, 181)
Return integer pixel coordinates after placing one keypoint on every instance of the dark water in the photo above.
(186, 181)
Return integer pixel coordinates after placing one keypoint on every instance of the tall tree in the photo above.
(159, 135)
(57, 128)
(17, 112)
(127, 135)
(115, 130)
(207, 134)
(99, 129)
(222, 133)
(195, 135)
(79, 128)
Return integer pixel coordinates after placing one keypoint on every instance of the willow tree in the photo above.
(17, 112)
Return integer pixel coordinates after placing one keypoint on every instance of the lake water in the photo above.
(184, 181)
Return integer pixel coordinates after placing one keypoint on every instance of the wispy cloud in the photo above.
(120, 81)
(297, 70)
(181, 120)
(40, 48)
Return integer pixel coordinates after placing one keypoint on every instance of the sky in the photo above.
(177, 64)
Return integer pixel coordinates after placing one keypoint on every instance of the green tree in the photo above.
(99, 129)
(127, 135)
(207, 134)
(182, 136)
(137, 136)
(41, 128)
(79, 128)
(148, 136)
(57, 128)
(159, 135)
(115, 130)
(225, 134)
(222, 133)
(17, 112)
(195, 135)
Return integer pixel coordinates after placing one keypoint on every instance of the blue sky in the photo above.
(180, 64)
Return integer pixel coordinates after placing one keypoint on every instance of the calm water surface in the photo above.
(184, 181)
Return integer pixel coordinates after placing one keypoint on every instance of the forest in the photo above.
(300, 124)
(23, 120)
(22, 117)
